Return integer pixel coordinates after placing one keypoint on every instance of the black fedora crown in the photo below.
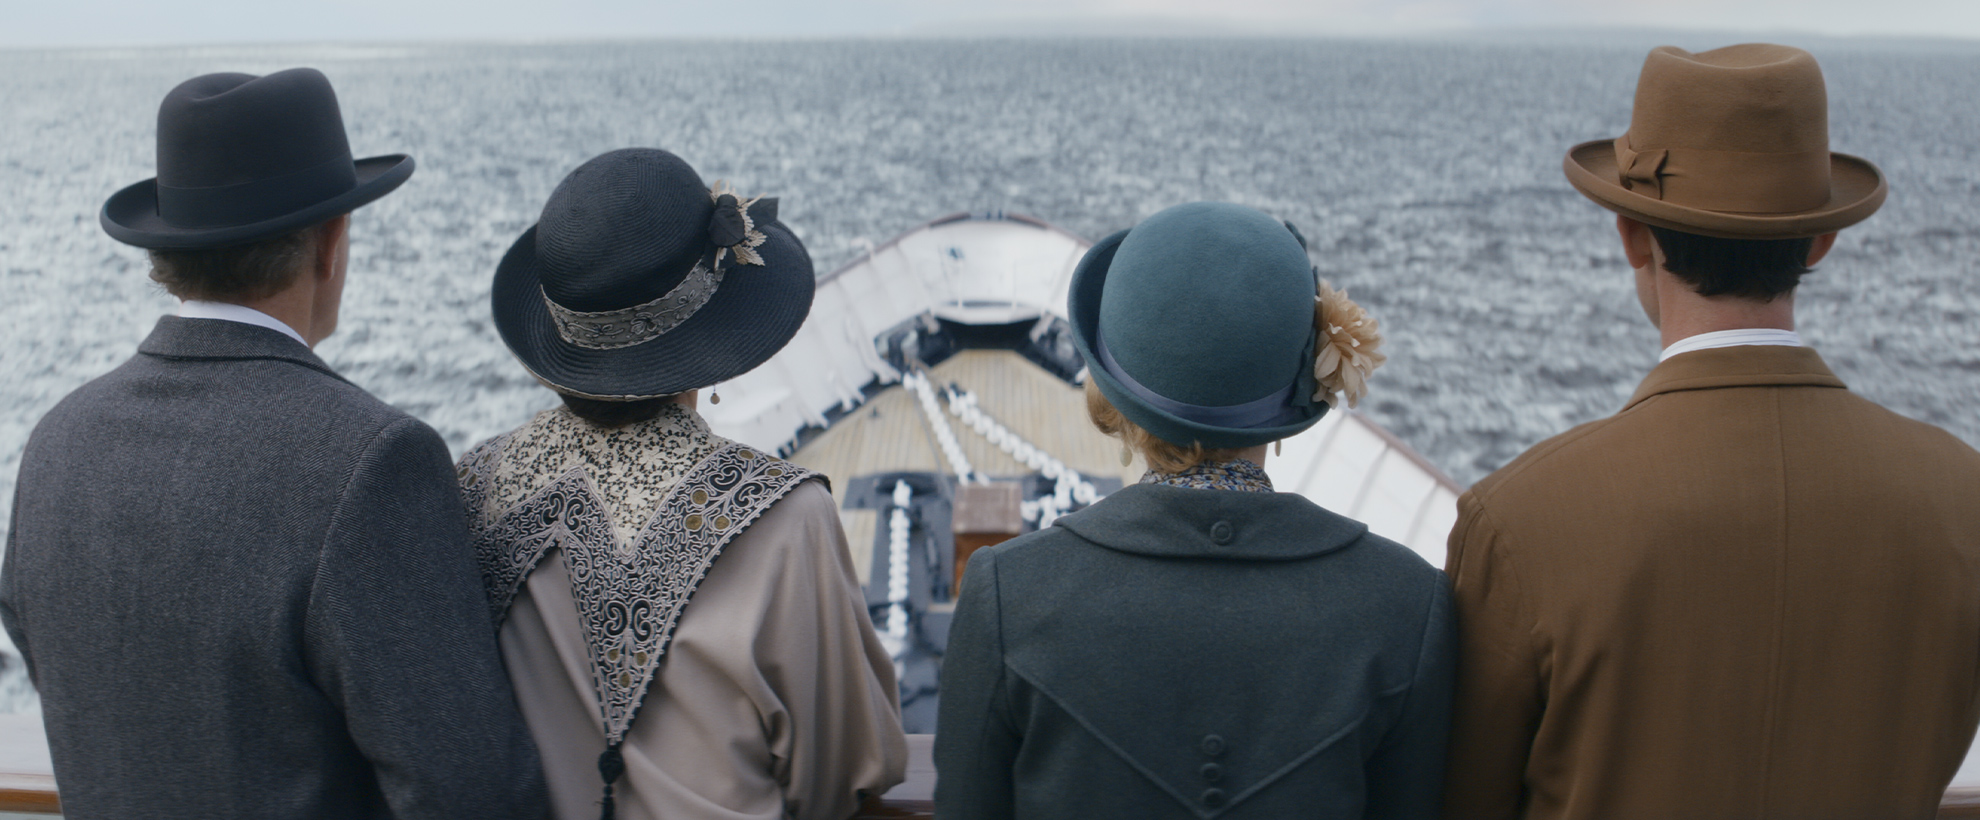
(612, 234)
(213, 172)
(242, 158)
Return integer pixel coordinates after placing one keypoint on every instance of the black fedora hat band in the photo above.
(223, 205)
(625, 327)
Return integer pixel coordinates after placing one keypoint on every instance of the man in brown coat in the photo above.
(1750, 593)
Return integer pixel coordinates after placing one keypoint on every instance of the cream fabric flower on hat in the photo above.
(732, 228)
(1347, 350)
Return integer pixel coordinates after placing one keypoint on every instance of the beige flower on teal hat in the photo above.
(1348, 349)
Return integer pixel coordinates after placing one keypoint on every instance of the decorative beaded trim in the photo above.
(625, 327)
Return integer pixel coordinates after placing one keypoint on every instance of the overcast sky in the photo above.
(138, 22)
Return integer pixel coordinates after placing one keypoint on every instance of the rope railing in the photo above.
(899, 527)
(944, 436)
(1068, 488)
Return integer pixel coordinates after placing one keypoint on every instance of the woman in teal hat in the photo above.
(1197, 645)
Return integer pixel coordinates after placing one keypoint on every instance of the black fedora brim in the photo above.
(1083, 313)
(131, 215)
(752, 315)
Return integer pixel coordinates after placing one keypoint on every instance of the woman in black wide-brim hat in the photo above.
(599, 522)
(1197, 645)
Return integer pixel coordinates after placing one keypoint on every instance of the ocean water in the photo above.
(1426, 176)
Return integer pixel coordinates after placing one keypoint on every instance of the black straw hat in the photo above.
(639, 281)
(243, 158)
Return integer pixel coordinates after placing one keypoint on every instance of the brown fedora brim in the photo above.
(1856, 190)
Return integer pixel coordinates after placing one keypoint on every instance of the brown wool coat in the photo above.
(1750, 594)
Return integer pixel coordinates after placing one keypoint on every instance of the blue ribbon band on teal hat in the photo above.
(1278, 409)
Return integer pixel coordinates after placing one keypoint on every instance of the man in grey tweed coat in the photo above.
(242, 584)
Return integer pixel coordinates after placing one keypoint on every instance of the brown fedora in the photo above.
(1732, 143)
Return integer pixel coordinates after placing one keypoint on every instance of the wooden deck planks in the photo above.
(1038, 407)
(889, 433)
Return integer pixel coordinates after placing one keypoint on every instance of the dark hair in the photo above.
(614, 413)
(252, 271)
(1760, 269)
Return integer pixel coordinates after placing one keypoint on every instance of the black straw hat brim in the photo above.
(752, 315)
(131, 215)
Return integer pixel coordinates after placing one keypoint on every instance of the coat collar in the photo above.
(177, 337)
(1173, 522)
(1742, 366)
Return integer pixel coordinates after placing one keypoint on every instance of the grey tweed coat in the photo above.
(243, 589)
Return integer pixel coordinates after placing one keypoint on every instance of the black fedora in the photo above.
(638, 281)
(243, 158)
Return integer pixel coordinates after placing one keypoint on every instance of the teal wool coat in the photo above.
(1186, 653)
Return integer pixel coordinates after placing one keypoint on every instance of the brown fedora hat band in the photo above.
(1727, 181)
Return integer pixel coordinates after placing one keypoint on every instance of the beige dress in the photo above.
(773, 698)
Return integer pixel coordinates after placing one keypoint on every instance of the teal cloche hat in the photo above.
(1197, 324)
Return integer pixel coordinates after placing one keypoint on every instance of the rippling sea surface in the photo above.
(1426, 176)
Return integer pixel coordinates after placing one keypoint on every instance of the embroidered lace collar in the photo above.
(632, 467)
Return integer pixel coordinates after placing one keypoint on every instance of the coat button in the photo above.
(1221, 532)
(1212, 746)
(1212, 772)
(1214, 798)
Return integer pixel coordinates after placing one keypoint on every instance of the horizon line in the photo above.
(1179, 29)
(1064, 28)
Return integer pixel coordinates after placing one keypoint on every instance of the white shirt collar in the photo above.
(199, 309)
(1733, 338)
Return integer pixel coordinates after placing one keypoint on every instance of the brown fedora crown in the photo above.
(1732, 142)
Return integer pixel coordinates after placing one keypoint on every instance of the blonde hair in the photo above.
(1162, 456)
